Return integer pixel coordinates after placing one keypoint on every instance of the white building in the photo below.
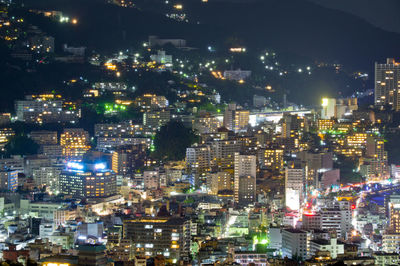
(337, 220)
(44, 109)
(47, 176)
(46, 229)
(237, 74)
(198, 158)
(162, 58)
(331, 245)
(105, 143)
(275, 238)
(151, 180)
(294, 243)
(294, 187)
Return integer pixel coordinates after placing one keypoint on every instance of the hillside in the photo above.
(381, 13)
(290, 26)
(303, 28)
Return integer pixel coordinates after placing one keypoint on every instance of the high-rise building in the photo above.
(245, 172)
(156, 118)
(88, 179)
(155, 235)
(336, 220)
(387, 84)
(291, 125)
(220, 181)
(198, 159)
(51, 151)
(236, 120)
(223, 152)
(47, 177)
(316, 163)
(377, 158)
(295, 180)
(241, 120)
(271, 158)
(75, 143)
(9, 180)
(394, 214)
(126, 158)
(391, 243)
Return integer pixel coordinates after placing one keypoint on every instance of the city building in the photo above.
(245, 173)
(92, 255)
(198, 159)
(88, 179)
(5, 135)
(156, 118)
(237, 75)
(162, 58)
(125, 129)
(220, 181)
(46, 108)
(156, 41)
(75, 143)
(126, 158)
(294, 244)
(9, 180)
(295, 180)
(387, 84)
(44, 137)
(338, 108)
(112, 143)
(153, 236)
(271, 158)
(47, 176)
(236, 120)
(151, 101)
(334, 247)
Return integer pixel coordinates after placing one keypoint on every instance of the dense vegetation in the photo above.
(171, 141)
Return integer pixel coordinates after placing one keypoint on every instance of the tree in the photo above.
(347, 168)
(21, 145)
(172, 140)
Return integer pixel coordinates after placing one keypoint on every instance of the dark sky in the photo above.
(381, 13)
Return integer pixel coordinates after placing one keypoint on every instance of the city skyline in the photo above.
(199, 132)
